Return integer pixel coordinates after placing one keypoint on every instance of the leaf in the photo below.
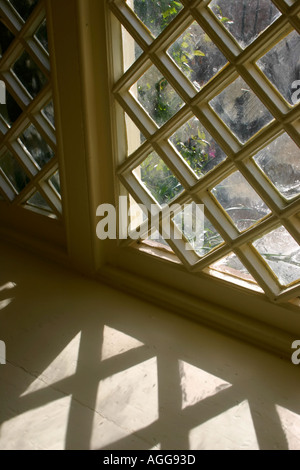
(199, 53)
(226, 20)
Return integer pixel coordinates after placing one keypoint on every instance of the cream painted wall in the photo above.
(90, 367)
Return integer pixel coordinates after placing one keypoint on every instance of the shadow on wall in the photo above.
(91, 368)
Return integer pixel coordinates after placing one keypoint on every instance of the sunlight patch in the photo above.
(197, 384)
(290, 422)
(233, 429)
(116, 342)
(63, 366)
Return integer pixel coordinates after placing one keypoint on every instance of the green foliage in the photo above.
(156, 14)
(159, 179)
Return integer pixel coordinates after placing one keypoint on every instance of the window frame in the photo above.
(82, 76)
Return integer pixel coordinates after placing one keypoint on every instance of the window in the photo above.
(109, 140)
(205, 101)
(29, 174)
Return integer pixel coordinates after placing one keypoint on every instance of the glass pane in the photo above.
(131, 50)
(197, 147)
(14, 172)
(241, 202)
(232, 265)
(55, 182)
(41, 35)
(48, 112)
(136, 215)
(6, 38)
(282, 254)
(204, 240)
(156, 15)
(29, 74)
(135, 138)
(38, 201)
(156, 96)
(10, 111)
(245, 19)
(36, 146)
(280, 161)
(24, 7)
(158, 179)
(197, 56)
(281, 66)
(241, 110)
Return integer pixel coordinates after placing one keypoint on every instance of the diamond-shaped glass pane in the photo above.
(131, 50)
(280, 161)
(10, 111)
(135, 138)
(55, 182)
(282, 254)
(36, 146)
(6, 38)
(29, 74)
(38, 201)
(14, 172)
(246, 19)
(241, 110)
(48, 112)
(240, 201)
(197, 56)
(281, 66)
(156, 96)
(158, 179)
(156, 15)
(233, 266)
(24, 8)
(42, 36)
(201, 234)
(197, 147)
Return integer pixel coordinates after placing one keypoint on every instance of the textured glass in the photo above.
(55, 181)
(11, 110)
(24, 7)
(42, 36)
(232, 265)
(280, 161)
(197, 56)
(158, 179)
(38, 201)
(281, 66)
(282, 254)
(205, 240)
(29, 74)
(156, 15)
(241, 202)
(131, 50)
(48, 112)
(245, 19)
(14, 172)
(36, 146)
(156, 96)
(241, 110)
(197, 147)
(7, 38)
